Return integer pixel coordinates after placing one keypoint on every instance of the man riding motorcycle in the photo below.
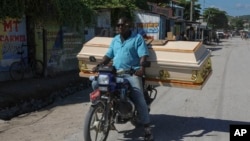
(128, 51)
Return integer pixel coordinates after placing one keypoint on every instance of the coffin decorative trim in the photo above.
(197, 75)
(196, 81)
(163, 74)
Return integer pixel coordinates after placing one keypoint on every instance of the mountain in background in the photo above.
(245, 17)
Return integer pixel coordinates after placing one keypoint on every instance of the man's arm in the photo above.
(141, 71)
(105, 60)
(143, 60)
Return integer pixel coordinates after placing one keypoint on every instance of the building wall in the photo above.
(58, 46)
(103, 27)
(151, 24)
(12, 37)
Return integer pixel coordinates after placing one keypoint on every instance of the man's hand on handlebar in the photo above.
(95, 69)
(104, 61)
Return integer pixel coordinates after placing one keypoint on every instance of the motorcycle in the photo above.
(111, 103)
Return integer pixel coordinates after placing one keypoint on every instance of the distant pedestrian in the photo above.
(217, 40)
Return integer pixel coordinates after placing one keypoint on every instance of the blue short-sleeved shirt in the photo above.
(127, 54)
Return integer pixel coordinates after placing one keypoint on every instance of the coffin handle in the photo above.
(164, 74)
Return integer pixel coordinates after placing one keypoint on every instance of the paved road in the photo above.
(177, 113)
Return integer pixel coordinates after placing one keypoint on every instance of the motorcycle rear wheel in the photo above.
(94, 125)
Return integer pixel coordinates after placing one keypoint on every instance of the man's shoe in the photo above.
(148, 134)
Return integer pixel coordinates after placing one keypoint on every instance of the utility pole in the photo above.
(204, 5)
(191, 9)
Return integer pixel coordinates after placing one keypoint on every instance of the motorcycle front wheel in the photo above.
(96, 127)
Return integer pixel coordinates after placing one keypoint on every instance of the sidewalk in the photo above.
(13, 93)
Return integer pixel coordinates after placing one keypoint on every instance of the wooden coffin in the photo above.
(184, 64)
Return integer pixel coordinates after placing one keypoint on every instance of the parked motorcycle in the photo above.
(111, 103)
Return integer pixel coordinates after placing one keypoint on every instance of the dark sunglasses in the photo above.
(122, 25)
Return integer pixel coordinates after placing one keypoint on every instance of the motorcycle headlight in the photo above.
(103, 79)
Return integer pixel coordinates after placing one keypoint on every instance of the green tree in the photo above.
(118, 7)
(11, 8)
(216, 18)
(66, 12)
(237, 23)
(71, 13)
